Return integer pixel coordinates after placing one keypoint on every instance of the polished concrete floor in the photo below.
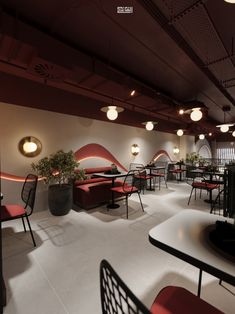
(61, 275)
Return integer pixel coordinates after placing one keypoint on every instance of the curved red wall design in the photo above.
(12, 177)
(161, 153)
(96, 150)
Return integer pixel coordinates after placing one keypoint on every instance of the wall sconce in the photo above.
(30, 146)
(176, 150)
(149, 125)
(135, 149)
(112, 111)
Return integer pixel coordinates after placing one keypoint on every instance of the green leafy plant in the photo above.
(58, 168)
(192, 158)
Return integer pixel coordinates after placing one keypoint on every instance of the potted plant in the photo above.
(58, 171)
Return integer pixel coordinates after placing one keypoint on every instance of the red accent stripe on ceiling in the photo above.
(96, 150)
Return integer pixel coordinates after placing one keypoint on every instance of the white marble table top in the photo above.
(185, 236)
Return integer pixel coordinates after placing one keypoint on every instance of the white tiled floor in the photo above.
(61, 275)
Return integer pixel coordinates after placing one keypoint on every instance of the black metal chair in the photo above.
(117, 298)
(130, 185)
(143, 176)
(15, 211)
(161, 174)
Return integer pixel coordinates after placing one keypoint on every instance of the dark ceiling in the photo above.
(75, 56)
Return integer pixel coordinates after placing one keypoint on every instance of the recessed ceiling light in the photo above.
(133, 92)
(181, 111)
(210, 134)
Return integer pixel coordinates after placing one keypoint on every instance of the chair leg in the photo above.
(27, 218)
(141, 202)
(165, 182)
(126, 206)
(23, 224)
(190, 196)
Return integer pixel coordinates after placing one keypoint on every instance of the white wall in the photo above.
(58, 131)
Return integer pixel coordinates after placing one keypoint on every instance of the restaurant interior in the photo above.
(117, 156)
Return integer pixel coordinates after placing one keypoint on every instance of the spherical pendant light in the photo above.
(149, 126)
(233, 134)
(112, 113)
(230, 1)
(201, 136)
(224, 128)
(180, 132)
(196, 114)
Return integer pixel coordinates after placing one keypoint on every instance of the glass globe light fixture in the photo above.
(181, 111)
(149, 126)
(196, 114)
(233, 134)
(224, 128)
(112, 113)
(230, 1)
(201, 136)
(180, 132)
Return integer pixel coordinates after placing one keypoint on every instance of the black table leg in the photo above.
(112, 205)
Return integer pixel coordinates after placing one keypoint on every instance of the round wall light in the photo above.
(180, 132)
(135, 149)
(112, 112)
(233, 134)
(201, 136)
(30, 146)
(230, 1)
(196, 114)
(176, 150)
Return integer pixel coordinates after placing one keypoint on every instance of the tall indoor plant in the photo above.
(58, 171)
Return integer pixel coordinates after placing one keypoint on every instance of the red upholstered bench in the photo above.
(178, 300)
(93, 192)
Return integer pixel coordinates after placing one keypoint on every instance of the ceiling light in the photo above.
(210, 134)
(180, 132)
(230, 1)
(181, 111)
(149, 125)
(133, 92)
(224, 127)
(196, 114)
(201, 136)
(233, 134)
(112, 112)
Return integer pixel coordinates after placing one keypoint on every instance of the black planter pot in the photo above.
(60, 199)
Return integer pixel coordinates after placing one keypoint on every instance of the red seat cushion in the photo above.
(177, 300)
(204, 185)
(124, 190)
(144, 177)
(159, 174)
(11, 211)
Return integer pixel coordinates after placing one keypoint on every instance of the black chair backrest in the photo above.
(116, 297)
(132, 179)
(29, 191)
